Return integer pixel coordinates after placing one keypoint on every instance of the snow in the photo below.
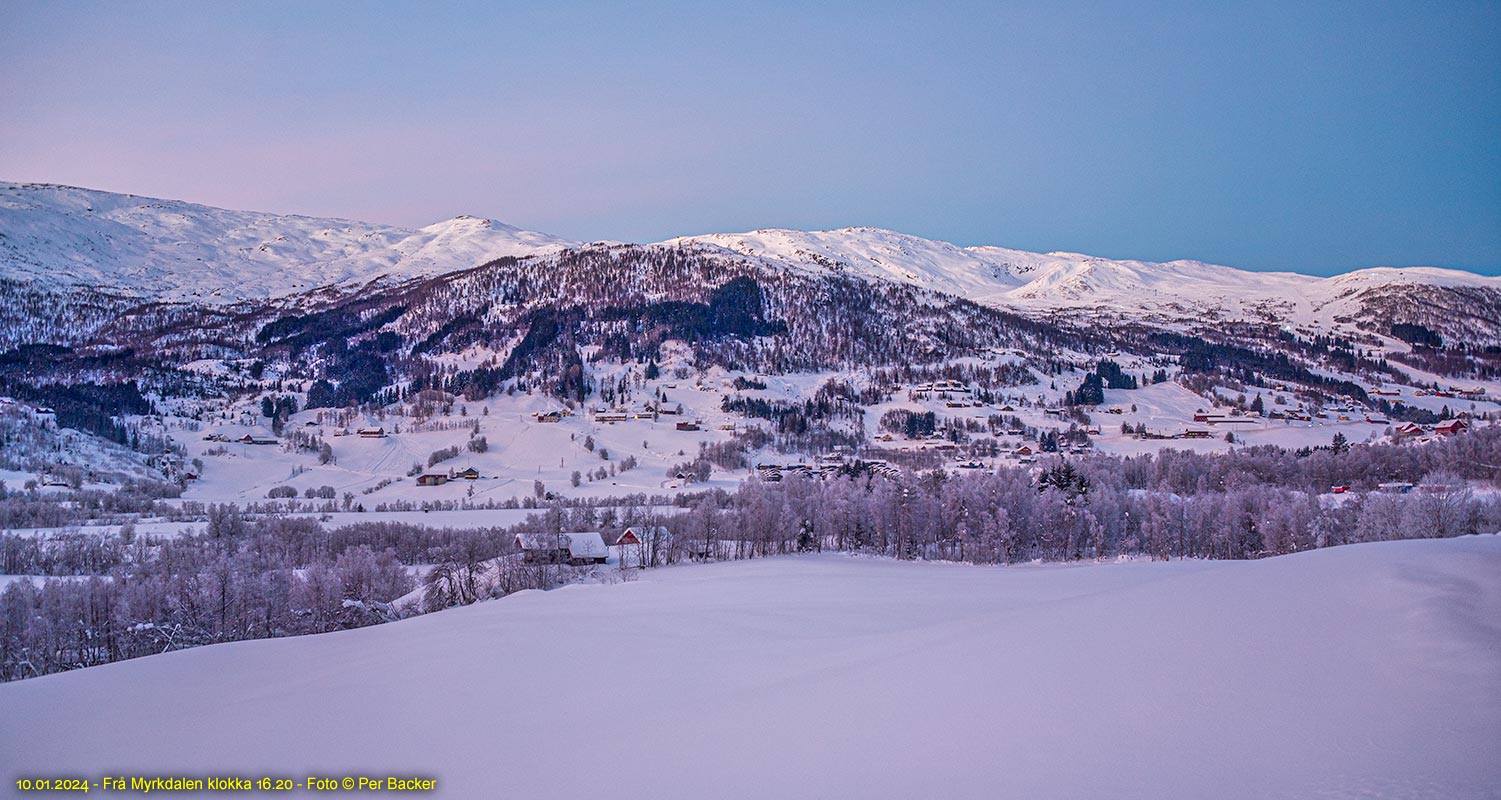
(1025, 281)
(1362, 671)
(65, 236)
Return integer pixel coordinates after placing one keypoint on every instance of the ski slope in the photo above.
(1365, 671)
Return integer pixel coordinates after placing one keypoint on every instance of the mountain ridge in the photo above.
(60, 236)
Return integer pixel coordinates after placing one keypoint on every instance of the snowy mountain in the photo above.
(1050, 282)
(875, 253)
(55, 237)
(60, 236)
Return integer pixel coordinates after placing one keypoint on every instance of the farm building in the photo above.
(470, 474)
(1450, 427)
(372, 433)
(563, 548)
(641, 534)
(248, 439)
(432, 479)
(643, 545)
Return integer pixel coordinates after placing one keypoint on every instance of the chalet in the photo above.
(687, 426)
(1451, 427)
(1024, 450)
(470, 474)
(577, 549)
(432, 479)
(372, 433)
(1196, 433)
(611, 416)
(549, 416)
(1374, 420)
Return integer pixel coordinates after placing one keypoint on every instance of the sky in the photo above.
(1308, 136)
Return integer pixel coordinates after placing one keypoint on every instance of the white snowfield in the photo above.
(1367, 671)
(64, 236)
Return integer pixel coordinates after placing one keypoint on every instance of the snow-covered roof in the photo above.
(588, 544)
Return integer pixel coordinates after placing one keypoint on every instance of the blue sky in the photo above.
(1316, 137)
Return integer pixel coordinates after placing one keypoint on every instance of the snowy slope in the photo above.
(63, 236)
(1362, 671)
(165, 248)
(1061, 281)
(872, 252)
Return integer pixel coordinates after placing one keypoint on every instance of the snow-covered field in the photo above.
(1361, 671)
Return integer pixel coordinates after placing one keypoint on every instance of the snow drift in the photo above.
(1360, 671)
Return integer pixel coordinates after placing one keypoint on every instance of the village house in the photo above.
(1451, 427)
